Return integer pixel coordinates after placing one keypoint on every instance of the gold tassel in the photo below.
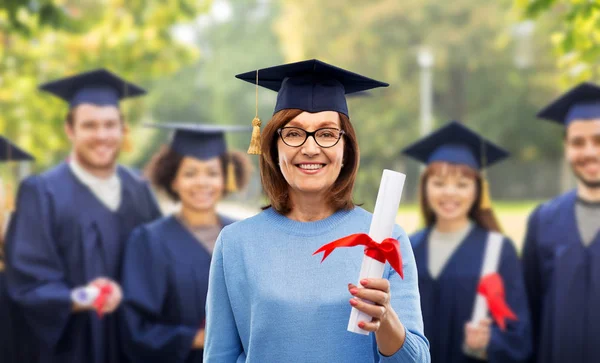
(231, 186)
(486, 200)
(127, 142)
(9, 200)
(254, 148)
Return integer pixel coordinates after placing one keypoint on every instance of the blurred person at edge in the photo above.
(450, 252)
(71, 224)
(561, 254)
(15, 345)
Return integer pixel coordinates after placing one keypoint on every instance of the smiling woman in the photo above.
(269, 299)
(285, 169)
(164, 314)
(451, 250)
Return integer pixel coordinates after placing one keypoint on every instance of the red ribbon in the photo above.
(492, 288)
(105, 291)
(387, 250)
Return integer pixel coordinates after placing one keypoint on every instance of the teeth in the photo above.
(310, 166)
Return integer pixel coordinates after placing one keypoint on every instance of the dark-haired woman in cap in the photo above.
(165, 269)
(466, 267)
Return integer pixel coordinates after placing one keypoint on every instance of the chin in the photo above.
(450, 216)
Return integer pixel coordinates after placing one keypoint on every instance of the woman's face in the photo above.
(450, 195)
(199, 183)
(310, 168)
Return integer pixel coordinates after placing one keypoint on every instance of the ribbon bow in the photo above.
(492, 288)
(105, 291)
(387, 250)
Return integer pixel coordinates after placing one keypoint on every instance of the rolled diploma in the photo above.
(382, 226)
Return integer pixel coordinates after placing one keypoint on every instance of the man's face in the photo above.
(96, 135)
(582, 150)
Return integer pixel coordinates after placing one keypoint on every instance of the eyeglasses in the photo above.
(296, 137)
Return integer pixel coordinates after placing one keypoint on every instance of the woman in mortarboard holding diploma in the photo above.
(269, 298)
(15, 343)
(460, 238)
(165, 269)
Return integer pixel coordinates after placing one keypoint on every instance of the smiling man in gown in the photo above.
(71, 225)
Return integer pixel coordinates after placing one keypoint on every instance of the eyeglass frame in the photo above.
(311, 133)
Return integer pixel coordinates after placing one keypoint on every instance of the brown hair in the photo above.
(484, 218)
(275, 185)
(162, 169)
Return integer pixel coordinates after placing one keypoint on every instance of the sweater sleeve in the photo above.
(406, 303)
(222, 341)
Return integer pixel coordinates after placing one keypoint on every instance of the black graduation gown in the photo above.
(562, 276)
(447, 302)
(165, 279)
(16, 345)
(61, 237)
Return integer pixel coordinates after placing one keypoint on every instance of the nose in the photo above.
(102, 133)
(449, 189)
(310, 147)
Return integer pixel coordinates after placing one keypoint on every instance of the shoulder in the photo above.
(56, 176)
(129, 175)
(152, 234)
(157, 227)
(253, 224)
(554, 206)
(418, 237)
(226, 221)
(505, 244)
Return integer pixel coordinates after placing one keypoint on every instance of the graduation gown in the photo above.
(562, 276)
(447, 301)
(16, 344)
(61, 237)
(165, 280)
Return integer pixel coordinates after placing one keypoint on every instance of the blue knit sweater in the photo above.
(270, 300)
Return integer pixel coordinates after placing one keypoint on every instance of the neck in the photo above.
(451, 225)
(588, 194)
(101, 173)
(194, 218)
(308, 208)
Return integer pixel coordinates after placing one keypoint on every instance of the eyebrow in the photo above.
(322, 124)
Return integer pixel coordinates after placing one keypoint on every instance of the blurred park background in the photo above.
(490, 64)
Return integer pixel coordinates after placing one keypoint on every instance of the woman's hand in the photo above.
(477, 335)
(389, 331)
(198, 340)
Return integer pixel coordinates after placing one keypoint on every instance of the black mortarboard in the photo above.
(311, 85)
(455, 143)
(580, 103)
(200, 141)
(11, 152)
(98, 87)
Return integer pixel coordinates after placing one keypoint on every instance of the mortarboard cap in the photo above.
(311, 85)
(200, 141)
(11, 152)
(455, 143)
(580, 103)
(98, 87)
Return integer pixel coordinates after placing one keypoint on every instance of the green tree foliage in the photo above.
(575, 36)
(476, 79)
(131, 38)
